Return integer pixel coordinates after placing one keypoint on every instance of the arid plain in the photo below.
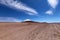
(29, 31)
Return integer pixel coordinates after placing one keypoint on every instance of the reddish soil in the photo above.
(29, 31)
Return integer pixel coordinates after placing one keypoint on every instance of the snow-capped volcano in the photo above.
(27, 20)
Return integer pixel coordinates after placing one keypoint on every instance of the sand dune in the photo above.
(29, 31)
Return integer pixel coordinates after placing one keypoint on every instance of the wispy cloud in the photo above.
(49, 12)
(18, 5)
(53, 3)
(9, 19)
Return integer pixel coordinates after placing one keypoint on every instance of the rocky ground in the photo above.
(29, 31)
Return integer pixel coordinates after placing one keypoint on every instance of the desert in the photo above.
(29, 31)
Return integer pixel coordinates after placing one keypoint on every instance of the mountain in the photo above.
(29, 21)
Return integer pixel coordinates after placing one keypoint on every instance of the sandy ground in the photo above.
(31, 31)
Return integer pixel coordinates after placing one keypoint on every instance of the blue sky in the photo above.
(36, 10)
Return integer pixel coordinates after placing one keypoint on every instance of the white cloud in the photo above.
(53, 3)
(9, 19)
(30, 13)
(18, 5)
(49, 12)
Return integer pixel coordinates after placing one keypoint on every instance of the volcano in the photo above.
(28, 21)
